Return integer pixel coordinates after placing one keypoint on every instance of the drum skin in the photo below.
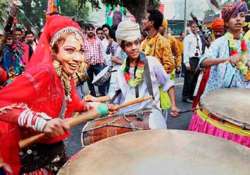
(232, 105)
(160, 152)
(113, 125)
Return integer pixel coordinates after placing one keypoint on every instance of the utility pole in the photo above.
(185, 16)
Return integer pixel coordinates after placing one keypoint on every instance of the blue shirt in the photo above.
(223, 75)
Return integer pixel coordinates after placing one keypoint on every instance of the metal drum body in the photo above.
(160, 152)
(224, 113)
(110, 126)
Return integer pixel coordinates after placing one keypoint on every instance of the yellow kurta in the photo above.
(175, 51)
(159, 47)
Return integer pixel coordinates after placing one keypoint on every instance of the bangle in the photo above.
(102, 109)
(31, 119)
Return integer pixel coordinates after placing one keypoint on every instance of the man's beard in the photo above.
(91, 35)
(29, 42)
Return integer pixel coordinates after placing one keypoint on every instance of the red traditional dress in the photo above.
(38, 90)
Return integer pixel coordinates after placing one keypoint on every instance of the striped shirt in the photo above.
(94, 51)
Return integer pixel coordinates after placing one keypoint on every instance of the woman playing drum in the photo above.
(40, 98)
(228, 57)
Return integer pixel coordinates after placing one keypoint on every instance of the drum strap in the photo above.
(117, 93)
(148, 78)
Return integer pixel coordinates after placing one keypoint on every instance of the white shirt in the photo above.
(107, 58)
(192, 47)
(158, 77)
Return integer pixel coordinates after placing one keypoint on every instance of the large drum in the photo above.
(160, 152)
(113, 125)
(224, 113)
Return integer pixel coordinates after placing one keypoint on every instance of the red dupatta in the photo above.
(39, 87)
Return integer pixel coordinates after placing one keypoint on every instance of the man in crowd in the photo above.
(191, 57)
(29, 39)
(95, 59)
(155, 44)
(158, 46)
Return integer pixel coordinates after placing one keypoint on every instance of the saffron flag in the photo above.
(53, 7)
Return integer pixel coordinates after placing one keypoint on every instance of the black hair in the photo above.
(106, 26)
(82, 24)
(157, 17)
(98, 29)
(90, 26)
(18, 29)
(111, 31)
(28, 32)
(192, 22)
(112, 35)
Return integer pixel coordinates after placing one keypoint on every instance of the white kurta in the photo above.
(158, 77)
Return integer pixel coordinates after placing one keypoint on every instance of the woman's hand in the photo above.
(56, 127)
(174, 111)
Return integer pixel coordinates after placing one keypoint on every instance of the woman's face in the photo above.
(132, 49)
(70, 53)
(9, 40)
(106, 31)
(236, 22)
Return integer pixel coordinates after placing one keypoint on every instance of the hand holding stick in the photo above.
(90, 115)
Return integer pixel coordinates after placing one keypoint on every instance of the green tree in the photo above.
(35, 11)
(248, 4)
(32, 13)
(136, 7)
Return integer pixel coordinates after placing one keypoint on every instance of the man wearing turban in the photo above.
(218, 28)
(224, 56)
(141, 75)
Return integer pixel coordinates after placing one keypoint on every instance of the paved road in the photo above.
(73, 144)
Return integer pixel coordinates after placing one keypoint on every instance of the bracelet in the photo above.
(31, 119)
(102, 109)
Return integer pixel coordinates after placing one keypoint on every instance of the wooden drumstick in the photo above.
(132, 102)
(90, 115)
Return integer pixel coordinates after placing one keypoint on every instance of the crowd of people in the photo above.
(43, 78)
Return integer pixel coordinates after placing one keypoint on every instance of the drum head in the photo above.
(100, 75)
(232, 105)
(160, 152)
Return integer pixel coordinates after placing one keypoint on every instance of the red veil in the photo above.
(39, 87)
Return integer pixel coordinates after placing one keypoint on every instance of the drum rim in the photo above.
(220, 116)
(242, 125)
(230, 143)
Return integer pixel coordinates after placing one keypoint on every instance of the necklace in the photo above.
(243, 63)
(133, 82)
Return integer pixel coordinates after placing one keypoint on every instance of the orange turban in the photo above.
(217, 24)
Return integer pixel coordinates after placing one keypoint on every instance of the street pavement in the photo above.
(73, 144)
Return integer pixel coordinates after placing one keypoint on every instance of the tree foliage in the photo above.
(136, 7)
(32, 13)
